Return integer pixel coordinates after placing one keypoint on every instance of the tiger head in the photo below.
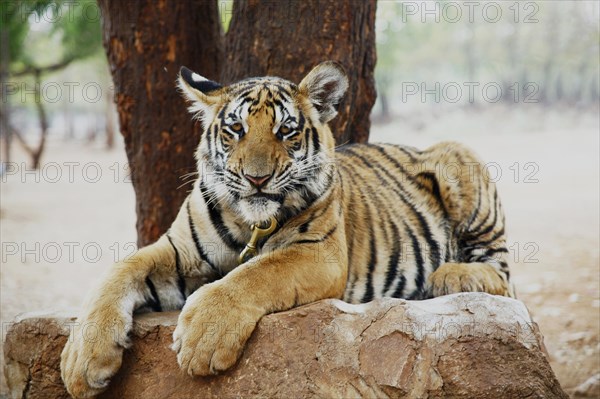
(266, 148)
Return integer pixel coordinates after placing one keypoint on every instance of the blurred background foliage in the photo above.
(50, 48)
(50, 33)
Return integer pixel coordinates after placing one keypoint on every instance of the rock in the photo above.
(460, 346)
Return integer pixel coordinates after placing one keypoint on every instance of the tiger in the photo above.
(280, 217)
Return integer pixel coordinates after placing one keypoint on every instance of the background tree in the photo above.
(80, 38)
(147, 42)
(288, 38)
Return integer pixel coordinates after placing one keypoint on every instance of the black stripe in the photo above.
(315, 215)
(381, 150)
(420, 279)
(493, 251)
(301, 122)
(214, 212)
(204, 86)
(435, 190)
(491, 226)
(238, 110)
(411, 179)
(221, 114)
(304, 155)
(180, 278)
(283, 92)
(351, 284)
(408, 154)
(284, 170)
(392, 270)
(476, 213)
(244, 94)
(318, 240)
(309, 198)
(483, 244)
(399, 292)
(372, 260)
(472, 232)
(154, 302)
(373, 193)
(475, 229)
(197, 242)
(282, 107)
(295, 148)
(368, 296)
(304, 227)
(315, 140)
(351, 214)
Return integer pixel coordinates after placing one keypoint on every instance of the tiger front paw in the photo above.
(212, 331)
(92, 355)
(451, 278)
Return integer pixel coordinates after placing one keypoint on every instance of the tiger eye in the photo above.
(237, 127)
(284, 130)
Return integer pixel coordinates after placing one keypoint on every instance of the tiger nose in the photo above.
(258, 181)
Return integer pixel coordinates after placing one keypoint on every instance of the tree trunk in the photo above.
(147, 41)
(36, 155)
(36, 152)
(288, 38)
(109, 121)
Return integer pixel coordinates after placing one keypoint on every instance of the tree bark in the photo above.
(288, 38)
(109, 122)
(147, 41)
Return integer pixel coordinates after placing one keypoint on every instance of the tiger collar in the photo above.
(258, 232)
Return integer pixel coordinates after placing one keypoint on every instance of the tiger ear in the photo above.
(205, 95)
(325, 86)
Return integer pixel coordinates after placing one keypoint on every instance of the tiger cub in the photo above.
(279, 218)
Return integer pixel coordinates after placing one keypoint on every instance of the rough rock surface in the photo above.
(460, 346)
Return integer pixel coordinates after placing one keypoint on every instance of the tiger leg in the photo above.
(452, 278)
(473, 208)
(219, 318)
(481, 264)
(93, 352)
(149, 279)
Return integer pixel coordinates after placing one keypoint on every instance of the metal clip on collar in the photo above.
(258, 232)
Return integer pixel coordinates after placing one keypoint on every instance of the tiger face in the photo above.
(266, 146)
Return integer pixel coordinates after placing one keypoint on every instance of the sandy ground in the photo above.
(58, 232)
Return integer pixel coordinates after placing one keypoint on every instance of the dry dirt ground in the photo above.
(59, 232)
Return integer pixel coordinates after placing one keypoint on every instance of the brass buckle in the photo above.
(258, 232)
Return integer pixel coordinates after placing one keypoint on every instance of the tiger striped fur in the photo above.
(358, 222)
